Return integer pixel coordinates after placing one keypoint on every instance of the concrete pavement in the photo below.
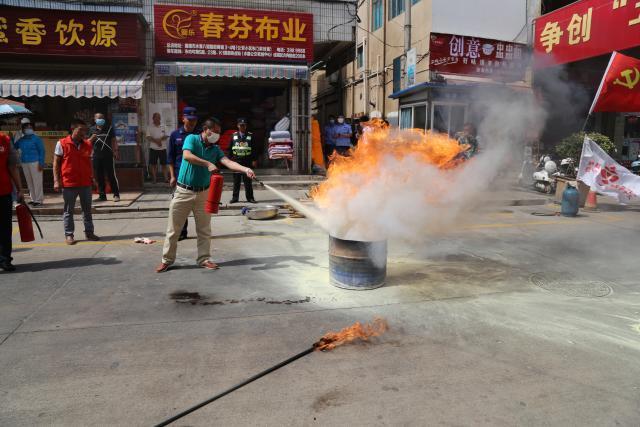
(509, 319)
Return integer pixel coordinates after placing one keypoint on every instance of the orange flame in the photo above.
(355, 332)
(379, 143)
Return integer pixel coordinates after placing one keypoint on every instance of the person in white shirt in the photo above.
(157, 137)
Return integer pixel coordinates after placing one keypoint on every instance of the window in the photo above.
(377, 13)
(397, 74)
(360, 57)
(448, 118)
(396, 7)
(413, 117)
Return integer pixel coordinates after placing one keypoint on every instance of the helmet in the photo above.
(551, 167)
(25, 121)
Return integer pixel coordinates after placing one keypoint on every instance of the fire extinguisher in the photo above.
(215, 192)
(25, 216)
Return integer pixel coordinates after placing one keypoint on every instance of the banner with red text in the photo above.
(208, 33)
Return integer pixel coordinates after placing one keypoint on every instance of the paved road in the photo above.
(510, 319)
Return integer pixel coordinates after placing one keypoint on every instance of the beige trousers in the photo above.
(34, 181)
(183, 203)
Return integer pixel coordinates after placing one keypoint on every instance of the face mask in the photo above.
(100, 122)
(213, 138)
(28, 131)
(332, 121)
(341, 121)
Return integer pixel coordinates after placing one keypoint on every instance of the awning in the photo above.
(77, 85)
(226, 69)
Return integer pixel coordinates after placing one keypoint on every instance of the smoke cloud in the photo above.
(401, 189)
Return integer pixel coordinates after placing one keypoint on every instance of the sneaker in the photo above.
(69, 240)
(252, 201)
(116, 198)
(209, 265)
(162, 267)
(36, 204)
(182, 237)
(7, 266)
(92, 237)
(233, 201)
(30, 202)
(100, 199)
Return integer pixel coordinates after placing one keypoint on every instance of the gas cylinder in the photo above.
(570, 201)
(215, 192)
(24, 223)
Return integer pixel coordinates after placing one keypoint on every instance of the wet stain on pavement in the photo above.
(327, 400)
(195, 298)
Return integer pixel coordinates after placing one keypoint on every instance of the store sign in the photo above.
(411, 67)
(585, 29)
(474, 56)
(205, 33)
(43, 32)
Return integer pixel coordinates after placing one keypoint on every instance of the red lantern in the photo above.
(215, 192)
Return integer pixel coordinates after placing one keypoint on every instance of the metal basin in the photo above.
(262, 212)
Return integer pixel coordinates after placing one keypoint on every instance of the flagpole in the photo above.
(604, 77)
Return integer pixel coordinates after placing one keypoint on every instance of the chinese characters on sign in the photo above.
(585, 29)
(473, 56)
(208, 33)
(70, 33)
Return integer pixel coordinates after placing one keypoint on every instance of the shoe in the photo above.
(31, 202)
(252, 201)
(209, 265)
(162, 267)
(92, 237)
(233, 201)
(69, 240)
(182, 237)
(7, 266)
(100, 199)
(116, 198)
(36, 204)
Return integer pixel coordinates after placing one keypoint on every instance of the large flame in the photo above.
(357, 331)
(379, 143)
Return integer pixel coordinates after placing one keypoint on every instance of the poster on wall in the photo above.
(125, 126)
(167, 116)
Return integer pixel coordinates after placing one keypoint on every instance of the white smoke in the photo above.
(409, 199)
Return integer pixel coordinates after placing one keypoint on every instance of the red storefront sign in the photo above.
(45, 32)
(586, 29)
(474, 56)
(205, 33)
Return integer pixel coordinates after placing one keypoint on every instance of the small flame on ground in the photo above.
(355, 332)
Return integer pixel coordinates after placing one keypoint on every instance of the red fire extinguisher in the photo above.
(25, 216)
(215, 192)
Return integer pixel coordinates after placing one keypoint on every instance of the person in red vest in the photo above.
(8, 179)
(73, 174)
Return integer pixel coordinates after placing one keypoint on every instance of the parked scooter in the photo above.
(544, 177)
(568, 168)
(635, 166)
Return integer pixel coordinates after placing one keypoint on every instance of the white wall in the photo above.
(492, 19)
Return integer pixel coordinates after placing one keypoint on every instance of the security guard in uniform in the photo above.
(242, 152)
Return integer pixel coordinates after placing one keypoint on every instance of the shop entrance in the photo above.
(262, 102)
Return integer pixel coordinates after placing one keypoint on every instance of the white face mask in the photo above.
(341, 120)
(332, 121)
(28, 131)
(213, 138)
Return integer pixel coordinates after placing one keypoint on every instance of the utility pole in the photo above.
(407, 37)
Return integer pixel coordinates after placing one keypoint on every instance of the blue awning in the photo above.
(228, 69)
(415, 88)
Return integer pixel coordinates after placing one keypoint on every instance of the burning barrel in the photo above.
(357, 265)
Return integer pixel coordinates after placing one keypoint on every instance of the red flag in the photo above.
(619, 89)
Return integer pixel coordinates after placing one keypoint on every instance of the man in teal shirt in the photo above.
(200, 154)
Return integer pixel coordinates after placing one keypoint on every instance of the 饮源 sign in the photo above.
(68, 33)
(204, 33)
(474, 56)
(585, 29)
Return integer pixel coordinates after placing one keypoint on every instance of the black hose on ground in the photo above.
(235, 387)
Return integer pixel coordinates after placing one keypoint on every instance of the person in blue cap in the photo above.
(174, 150)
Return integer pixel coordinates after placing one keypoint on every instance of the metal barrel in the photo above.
(357, 265)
